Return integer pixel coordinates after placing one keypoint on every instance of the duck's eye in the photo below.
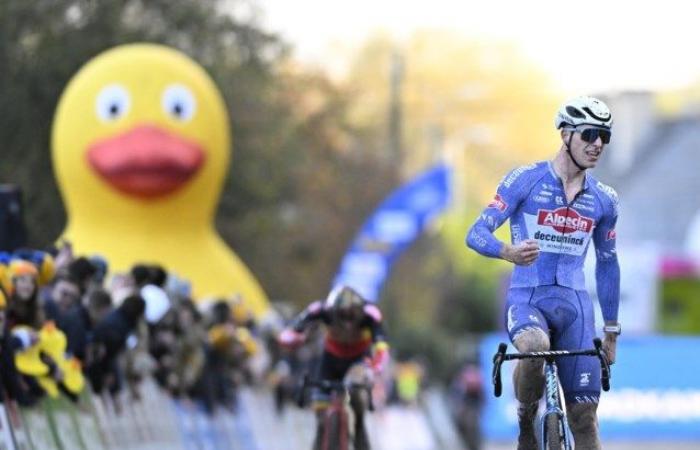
(113, 102)
(178, 102)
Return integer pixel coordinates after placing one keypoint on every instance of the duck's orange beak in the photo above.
(146, 161)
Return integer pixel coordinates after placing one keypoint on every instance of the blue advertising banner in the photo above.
(394, 225)
(654, 395)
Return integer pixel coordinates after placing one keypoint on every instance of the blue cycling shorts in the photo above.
(566, 316)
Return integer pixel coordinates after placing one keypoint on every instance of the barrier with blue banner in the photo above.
(397, 222)
(654, 395)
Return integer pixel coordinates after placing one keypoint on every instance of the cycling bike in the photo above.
(337, 428)
(555, 430)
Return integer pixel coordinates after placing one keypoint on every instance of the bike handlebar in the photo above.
(501, 356)
(604, 364)
(342, 387)
(497, 361)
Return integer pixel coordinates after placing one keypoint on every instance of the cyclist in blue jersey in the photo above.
(555, 208)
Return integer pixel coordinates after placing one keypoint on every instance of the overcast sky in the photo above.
(590, 46)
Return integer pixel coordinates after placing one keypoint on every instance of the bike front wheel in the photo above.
(337, 432)
(554, 433)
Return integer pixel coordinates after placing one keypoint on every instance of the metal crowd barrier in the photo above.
(154, 420)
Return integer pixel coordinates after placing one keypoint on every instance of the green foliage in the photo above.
(481, 282)
(43, 43)
(310, 159)
(428, 344)
(295, 177)
(441, 295)
(679, 309)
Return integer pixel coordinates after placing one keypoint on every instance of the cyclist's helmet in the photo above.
(344, 303)
(583, 111)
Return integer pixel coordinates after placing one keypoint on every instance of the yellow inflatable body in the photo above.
(141, 147)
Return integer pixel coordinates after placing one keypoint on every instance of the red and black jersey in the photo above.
(342, 341)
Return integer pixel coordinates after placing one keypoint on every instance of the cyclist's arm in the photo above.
(312, 313)
(480, 237)
(607, 270)
(380, 346)
(375, 323)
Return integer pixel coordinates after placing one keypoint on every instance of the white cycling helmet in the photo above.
(343, 297)
(583, 111)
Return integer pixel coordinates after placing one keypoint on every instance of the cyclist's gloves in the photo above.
(380, 356)
(290, 338)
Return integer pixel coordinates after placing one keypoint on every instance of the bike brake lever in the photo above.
(598, 344)
(497, 361)
(604, 365)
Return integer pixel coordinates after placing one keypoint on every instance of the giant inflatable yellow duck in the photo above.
(140, 148)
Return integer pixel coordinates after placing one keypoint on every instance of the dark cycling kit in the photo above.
(343, 347)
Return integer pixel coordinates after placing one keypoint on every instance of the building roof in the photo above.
(660, 190)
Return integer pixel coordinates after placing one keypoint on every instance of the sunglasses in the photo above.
(347, 316)
(591, 135)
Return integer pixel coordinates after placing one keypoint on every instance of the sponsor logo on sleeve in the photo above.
(498, 203)
(610, 192)
(612, 235)
(512, 321)
(510, 178)
(515, 232)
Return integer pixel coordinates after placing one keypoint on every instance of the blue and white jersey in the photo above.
(533, 198)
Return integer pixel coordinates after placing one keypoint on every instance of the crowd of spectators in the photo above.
(68, 324)
(67, 327)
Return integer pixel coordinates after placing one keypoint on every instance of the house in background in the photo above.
(654, 165)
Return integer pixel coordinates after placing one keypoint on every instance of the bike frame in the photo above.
(339, 395)
(552, 397)
(554, 406)
(337, 406)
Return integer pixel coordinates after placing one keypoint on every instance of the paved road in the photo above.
(620, 446)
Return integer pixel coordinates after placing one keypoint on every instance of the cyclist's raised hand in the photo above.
(290, 338)
(361, 374)
(521, 254)
(380, 357)
(610, 346)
